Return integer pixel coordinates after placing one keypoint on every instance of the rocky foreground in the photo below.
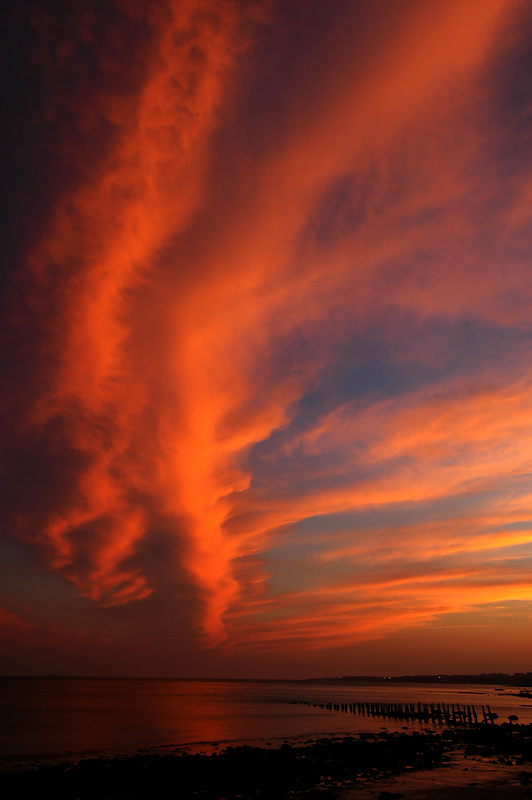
(325, 767)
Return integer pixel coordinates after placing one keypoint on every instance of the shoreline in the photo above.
(484, 762)
(460, 778)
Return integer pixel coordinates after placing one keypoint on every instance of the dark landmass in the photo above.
(328, 768)
(486, 678)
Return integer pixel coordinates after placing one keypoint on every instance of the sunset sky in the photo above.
(266, 337)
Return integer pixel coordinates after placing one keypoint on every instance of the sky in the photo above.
(266, 330)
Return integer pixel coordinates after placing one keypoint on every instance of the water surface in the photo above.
(49, 719)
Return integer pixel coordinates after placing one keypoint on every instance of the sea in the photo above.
(54, 719)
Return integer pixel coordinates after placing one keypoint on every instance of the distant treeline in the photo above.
(496, 678)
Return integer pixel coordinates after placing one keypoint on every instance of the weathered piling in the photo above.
(437, 713)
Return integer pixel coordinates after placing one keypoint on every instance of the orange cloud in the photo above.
(451, 444)
(91, 272)
(257, 293)
(195, 289)
(336, 616)
(32, 632)
(12, 624)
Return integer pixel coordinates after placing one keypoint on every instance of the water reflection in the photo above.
(68, 717)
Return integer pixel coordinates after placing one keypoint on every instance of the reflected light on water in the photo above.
(48, 719)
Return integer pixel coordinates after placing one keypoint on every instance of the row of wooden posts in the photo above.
(423, 712)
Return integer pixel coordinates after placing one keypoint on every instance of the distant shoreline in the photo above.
(486, 679)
